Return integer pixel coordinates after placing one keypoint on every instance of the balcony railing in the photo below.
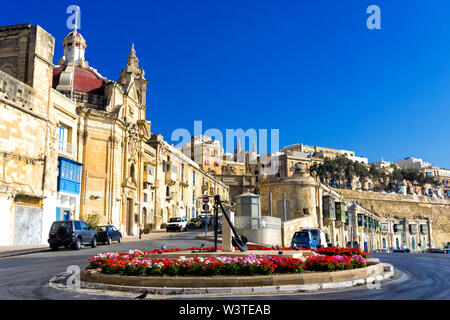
(66, 149)
(423, 228)
(148, 178)
(412, 228)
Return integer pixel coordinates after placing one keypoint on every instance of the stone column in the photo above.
(227, 246)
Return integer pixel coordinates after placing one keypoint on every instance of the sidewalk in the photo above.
(9, 251)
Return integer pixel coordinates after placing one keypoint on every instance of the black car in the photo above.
(71, 234)
(108, 234)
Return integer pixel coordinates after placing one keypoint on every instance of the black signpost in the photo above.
(216, 223)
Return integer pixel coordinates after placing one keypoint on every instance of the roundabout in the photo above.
(196, 272)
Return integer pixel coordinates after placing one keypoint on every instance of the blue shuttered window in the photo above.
(69, 179)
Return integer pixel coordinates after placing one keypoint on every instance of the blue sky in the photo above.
(315, 72)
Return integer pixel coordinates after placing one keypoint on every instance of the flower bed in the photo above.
(134, 263)
(336, 251)
(328, 251)
(334, 263)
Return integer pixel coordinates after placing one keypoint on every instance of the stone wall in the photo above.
(22, 143)
(395, 205)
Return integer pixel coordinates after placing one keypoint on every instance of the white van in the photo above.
(319, 237)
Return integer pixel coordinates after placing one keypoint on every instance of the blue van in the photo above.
(303, 239)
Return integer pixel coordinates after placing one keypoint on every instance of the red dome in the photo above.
(84, 80)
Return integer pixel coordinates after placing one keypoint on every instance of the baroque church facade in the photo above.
(75, 154)
(112, 134)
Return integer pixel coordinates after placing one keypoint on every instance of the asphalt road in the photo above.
(418, 277)
(27, 276)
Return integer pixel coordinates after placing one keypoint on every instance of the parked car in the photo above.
(399, 251)
(177, 223)
(319, 237)
(202, 218)
(435, 250)
(196, 223)
(304, 239)
(108, 234)
(446, 250)
(71, 234)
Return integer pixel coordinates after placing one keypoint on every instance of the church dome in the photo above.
(85, 80)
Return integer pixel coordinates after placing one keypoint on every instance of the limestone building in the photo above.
(29, 186)
(180, 183)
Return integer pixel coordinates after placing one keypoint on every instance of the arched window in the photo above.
(397, 245)
(413, 243)
(384, 243)
(144, 216)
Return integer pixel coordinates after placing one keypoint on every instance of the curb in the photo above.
(226, 284)
(13, 253)
(388, 272)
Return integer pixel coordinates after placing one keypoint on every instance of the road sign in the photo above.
(206, 207)
(205, 199)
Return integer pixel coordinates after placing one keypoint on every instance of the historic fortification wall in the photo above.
(438, 210)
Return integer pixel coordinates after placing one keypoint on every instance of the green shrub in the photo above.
(93, 220)
(147, 229)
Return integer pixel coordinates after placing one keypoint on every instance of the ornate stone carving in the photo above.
(85, 135)
(9, 44)
(114, 141)
(133, 140)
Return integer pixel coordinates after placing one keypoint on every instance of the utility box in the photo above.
(249, 222)
(248, 205)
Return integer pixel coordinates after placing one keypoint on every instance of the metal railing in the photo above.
(264, 222)
(66, 148)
